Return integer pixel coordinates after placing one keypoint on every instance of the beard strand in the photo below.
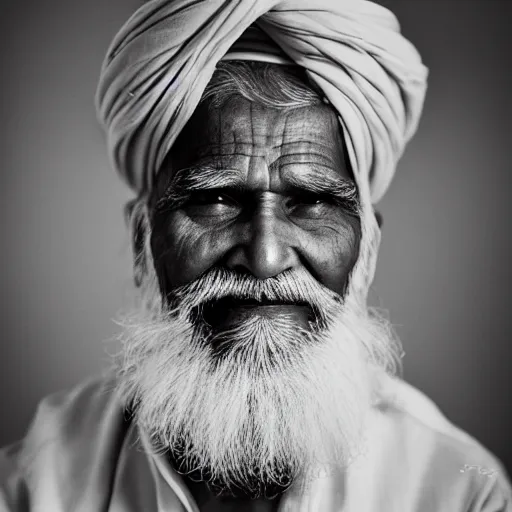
(275, 403)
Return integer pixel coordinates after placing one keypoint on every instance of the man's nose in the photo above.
(265, 249)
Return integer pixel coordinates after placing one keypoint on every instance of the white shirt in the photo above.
(81, 454)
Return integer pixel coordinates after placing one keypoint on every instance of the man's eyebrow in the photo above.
(321, 180)
(190, 179)
(314, 179)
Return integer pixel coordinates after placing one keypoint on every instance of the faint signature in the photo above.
(481, 469)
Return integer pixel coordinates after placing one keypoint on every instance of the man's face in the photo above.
(259, 191)
(259, 366)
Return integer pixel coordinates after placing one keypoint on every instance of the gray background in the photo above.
(444, 270)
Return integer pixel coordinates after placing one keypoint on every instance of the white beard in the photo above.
(279, 404)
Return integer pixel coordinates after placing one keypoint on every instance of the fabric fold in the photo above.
(162, 59)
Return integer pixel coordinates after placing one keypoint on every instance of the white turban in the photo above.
(162, 59)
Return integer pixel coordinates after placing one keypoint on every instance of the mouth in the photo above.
(227, 311)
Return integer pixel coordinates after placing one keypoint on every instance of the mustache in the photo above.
(294, 286)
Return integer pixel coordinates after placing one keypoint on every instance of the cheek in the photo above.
(182, 250)
(333, 252)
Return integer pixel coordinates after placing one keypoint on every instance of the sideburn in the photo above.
(137, 218)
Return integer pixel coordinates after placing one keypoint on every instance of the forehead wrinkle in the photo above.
(244, 148)
(285, 129)
(251, 116)
(256, 146)
(308, 149)
(306, 142)
(258, 171)
(219, 132)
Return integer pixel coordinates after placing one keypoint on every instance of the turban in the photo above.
(162, 59)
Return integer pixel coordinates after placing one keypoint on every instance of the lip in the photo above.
(239, 313)
(228, 311)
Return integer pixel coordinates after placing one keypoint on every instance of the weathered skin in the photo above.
(270, 228)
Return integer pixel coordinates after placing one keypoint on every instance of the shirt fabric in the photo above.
(82, 454)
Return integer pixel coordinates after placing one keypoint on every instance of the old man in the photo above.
(258, 136)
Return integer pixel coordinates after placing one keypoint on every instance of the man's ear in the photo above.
(136, 215)
(378, 216)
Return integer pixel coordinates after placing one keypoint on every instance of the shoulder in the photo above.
(69, 416)
(433, 453)
(418, 417)
(72, 431)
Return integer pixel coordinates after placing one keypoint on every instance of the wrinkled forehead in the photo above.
(241, 128)
(259, 124)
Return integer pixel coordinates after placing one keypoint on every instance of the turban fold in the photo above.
(162, 59)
